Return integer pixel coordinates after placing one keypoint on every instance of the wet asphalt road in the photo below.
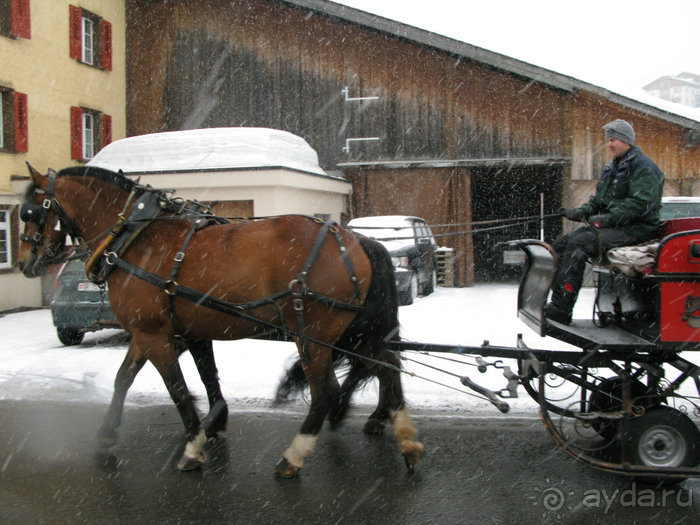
(497, 470)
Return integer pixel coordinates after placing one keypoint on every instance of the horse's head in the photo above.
(43, 241)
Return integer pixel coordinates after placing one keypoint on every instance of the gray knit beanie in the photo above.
(621, 130)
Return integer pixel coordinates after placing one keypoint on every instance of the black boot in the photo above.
(558, 314)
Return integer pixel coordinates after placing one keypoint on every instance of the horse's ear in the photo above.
(35, 175)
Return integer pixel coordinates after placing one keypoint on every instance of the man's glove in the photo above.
(599, 221)
(573, 214)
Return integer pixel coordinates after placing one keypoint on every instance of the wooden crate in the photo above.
(444, 260)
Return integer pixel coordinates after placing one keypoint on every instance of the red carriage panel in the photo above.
(678, 269)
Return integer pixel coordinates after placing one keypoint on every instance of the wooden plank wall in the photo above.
(441, 196)
(263, 63)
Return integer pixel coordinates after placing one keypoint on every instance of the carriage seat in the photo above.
(638, 260)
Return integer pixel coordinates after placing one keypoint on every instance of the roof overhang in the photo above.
(502, 162)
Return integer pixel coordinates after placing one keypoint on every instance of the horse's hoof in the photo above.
(374, 427)
(412, 454)
(284, 469)
(106, 459)
(187, 463)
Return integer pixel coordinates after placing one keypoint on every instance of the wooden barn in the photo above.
(420, 124)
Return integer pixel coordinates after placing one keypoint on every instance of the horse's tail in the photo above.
(377, 322)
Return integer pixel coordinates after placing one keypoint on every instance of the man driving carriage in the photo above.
(623, 211)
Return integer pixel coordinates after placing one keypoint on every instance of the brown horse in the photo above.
(232, 281)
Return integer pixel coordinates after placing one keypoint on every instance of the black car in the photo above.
(79, 305)
(412, 246)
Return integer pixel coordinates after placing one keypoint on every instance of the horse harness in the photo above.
(143, 210)
(30, 211)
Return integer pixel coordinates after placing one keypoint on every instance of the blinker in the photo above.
(31, 212)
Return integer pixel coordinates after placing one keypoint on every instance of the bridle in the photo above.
(31, 212)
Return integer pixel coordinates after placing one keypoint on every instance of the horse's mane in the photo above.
(116, 178)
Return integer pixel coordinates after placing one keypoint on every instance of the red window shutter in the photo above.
(21, 128)
(76, 32)
(21, 21)
(106, 129)
(106, 45)
(76, 133)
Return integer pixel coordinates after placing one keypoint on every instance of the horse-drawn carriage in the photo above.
(625, 401)
(180, 277)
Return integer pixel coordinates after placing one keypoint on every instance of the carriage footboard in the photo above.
(538, 274)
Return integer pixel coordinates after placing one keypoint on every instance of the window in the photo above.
(90, 38)
(91, 130)
(14, 136)
(87, 41)
(5, 244)
(15, 21)
(88, 135)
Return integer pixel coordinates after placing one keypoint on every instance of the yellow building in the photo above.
(63, 89)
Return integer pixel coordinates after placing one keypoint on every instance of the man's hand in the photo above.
(573, 214)
(598, 221)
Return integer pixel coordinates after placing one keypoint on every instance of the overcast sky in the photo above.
(621, 45)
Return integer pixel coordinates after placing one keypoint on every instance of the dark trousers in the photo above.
(573, 249)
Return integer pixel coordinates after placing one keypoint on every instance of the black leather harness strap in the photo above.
(297, 287)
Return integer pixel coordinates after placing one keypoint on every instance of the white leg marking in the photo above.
(302, 446)
(403, 426)
(194, 448)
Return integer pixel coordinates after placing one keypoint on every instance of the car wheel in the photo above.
(429, 286)
(407, 297)
(70, 336)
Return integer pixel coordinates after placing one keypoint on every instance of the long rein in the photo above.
(173, 288)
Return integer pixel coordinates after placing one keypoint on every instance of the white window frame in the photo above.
(6, 243)
(2, 120)
(88, 40)
(88, 135)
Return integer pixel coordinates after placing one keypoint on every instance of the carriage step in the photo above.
(598, 416)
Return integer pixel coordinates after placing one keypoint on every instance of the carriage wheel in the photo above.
(664, 437)
(550, 405)
(608, 398)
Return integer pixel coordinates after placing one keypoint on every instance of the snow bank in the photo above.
(208, 149)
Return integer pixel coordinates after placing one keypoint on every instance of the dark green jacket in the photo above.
(629, 195)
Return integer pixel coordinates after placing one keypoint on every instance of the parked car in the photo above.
(412, 246)
(679, 207)
(79, 306)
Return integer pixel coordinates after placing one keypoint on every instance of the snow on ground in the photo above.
(34, 365)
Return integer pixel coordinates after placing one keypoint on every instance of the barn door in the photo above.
(505, 194)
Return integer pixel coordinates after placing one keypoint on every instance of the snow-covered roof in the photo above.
(209, 149)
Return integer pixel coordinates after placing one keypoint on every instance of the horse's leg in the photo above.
(130, 367)
(160, 350)
(203, 354)
(324, 387)
(357, 374)
(391, 400)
